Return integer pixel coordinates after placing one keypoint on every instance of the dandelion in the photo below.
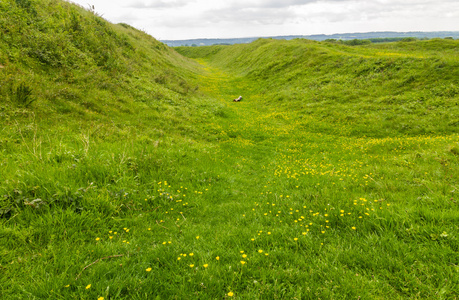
(230, 294)
(205, 265)
(179, 258)
(191, 266)
(260, 251)
(353, 228)
(191, 254)
(100, 298)
(148, 269)
(67, 285)
(197, 237)
(295, 239)
(243, 262)
(88, 286)
(244, 255)
(217, 258)
(97, 239)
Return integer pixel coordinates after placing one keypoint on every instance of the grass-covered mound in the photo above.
(63, 62)
(128, 173)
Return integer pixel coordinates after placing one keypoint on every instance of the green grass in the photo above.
(132, 170)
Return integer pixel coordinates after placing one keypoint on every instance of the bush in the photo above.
(357, 42)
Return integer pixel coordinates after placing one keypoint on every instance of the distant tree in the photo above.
(356, 42)
(333, 41)
(385, 40)
(409, 39)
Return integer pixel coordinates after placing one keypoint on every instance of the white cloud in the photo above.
(157, 4)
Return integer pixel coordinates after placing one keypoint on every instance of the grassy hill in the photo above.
(69, 64)
(127, 172)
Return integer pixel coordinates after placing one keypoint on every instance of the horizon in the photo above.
(314, 34)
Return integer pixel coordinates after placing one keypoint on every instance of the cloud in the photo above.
(231, 18)
(158, 4)
(248, 16)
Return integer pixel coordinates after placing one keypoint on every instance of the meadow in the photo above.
(127, 172)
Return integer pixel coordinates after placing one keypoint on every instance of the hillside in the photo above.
(127, 171)
(71, 65)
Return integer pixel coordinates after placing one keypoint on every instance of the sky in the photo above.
(189, 19)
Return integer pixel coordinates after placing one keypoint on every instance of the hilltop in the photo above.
(127, 171)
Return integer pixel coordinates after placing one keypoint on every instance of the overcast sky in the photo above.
(187, 19)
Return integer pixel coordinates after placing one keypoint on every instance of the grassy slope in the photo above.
(146, 179)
